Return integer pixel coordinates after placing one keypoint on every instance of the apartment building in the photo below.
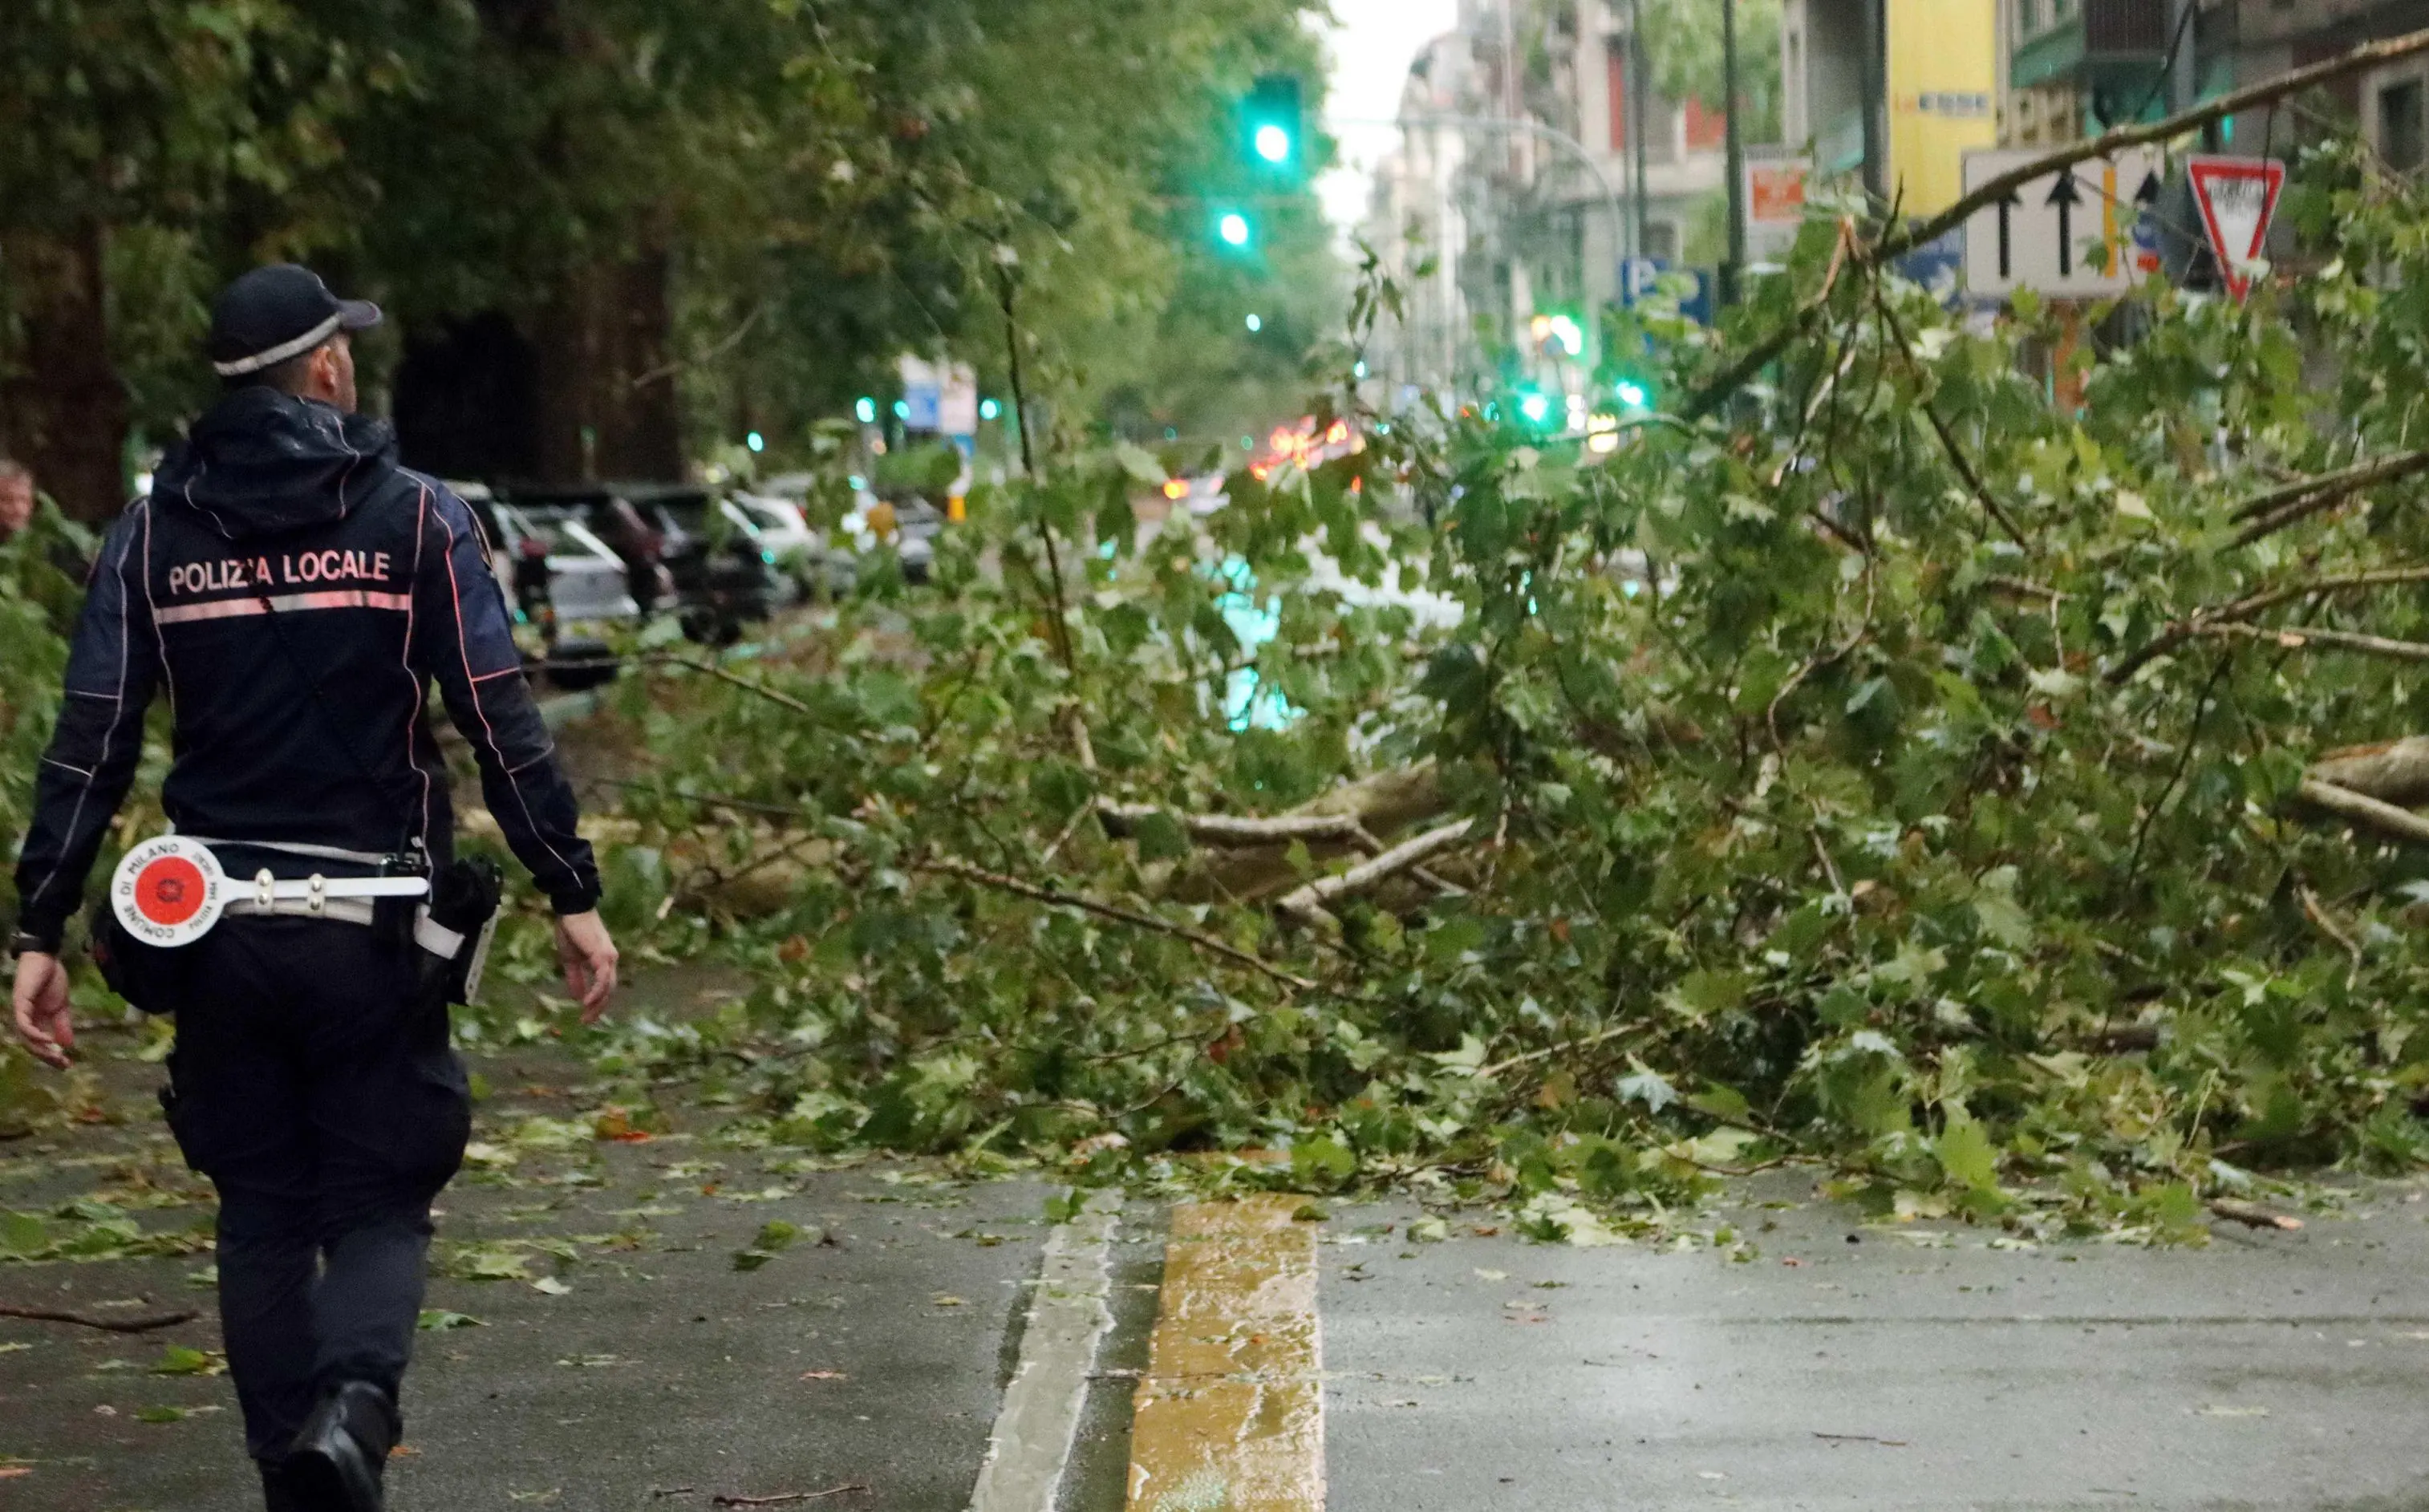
(1516, 181)
(2077, 66)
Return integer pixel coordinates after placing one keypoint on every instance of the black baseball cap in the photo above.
(279, 312)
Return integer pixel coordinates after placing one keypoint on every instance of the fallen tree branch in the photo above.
(1956, 457)
(1897, 243)
(2245, 608)
(2395, 771)
(1112, 910)
(709, 880)
(1764, 352)
(2343, 640)
(2317, 912)
(707, 801)
(2276, 509)
(2251, 1215)
(1308, 903)
(144, 1324)
(1547, 1053)
(784, 700)
(1383, 803)
(787, 1498)
(1233, 832)
(2398, 824)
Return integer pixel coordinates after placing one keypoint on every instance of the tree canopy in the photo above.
(742, 210)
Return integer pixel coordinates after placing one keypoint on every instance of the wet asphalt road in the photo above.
(1910, 1369)
(1915, 1367)
(871, 1351)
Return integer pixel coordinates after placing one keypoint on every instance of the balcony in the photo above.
(2103, 45)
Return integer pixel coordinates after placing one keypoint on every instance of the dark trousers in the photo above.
(314, 1084)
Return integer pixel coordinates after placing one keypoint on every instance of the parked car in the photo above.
(910, 527)
(683, 548)
(564, 585)
(726, 574)
(909, 524)
(786, 536)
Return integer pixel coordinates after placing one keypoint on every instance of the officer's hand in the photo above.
(43, 1007)
(588, 956)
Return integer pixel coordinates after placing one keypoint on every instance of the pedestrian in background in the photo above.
(16, 497)
(298, 592)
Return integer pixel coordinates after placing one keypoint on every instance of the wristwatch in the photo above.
(24, 943)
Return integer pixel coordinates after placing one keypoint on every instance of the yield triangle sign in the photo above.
(2238, 199)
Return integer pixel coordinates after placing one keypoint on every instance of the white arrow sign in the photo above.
(2070, 235)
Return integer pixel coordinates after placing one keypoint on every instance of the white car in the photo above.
(549, 564)
(784, 534)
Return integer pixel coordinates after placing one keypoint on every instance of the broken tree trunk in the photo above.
(1379, 806)
(1311, 904)
(2386, 818)
(2396, 771)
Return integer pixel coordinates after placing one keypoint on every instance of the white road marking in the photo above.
(1067, 1319)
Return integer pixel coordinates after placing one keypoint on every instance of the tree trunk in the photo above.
(2396, 772)
(1383, 804)
(63, 411)
(608, 406)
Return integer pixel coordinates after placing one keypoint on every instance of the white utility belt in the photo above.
(171, 891)
(339, 902)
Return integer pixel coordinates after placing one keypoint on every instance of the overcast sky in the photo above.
(1372, 49)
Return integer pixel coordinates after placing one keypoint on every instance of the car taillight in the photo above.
(533, 549)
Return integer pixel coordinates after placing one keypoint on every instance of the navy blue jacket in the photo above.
(282, 546)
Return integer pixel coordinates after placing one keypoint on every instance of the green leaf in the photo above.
(22, 1234)
(1967, 1156)
(178, 1359)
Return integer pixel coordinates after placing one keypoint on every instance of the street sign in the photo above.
(1640, 282)
(2070, 235)
(2239, 199)
(1774, 198)
(957, 406)
(1640, 279)
(923, 394)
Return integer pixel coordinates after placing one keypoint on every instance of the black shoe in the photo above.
(278, 1493)
(339, 1456)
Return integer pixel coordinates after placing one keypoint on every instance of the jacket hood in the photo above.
(262, 463)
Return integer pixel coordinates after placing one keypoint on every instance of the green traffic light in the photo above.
(1274, 121)
(1233, 228)
(1634, 395)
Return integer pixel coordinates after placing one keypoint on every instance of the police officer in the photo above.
(295, 592)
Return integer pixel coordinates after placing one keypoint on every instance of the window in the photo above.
(2400, 139)
(1662, 240)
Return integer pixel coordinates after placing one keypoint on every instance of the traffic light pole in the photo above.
(1639, 128)
(1734, 270)
(1876, 110)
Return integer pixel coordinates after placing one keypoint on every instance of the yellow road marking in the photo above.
(1229, 1417)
